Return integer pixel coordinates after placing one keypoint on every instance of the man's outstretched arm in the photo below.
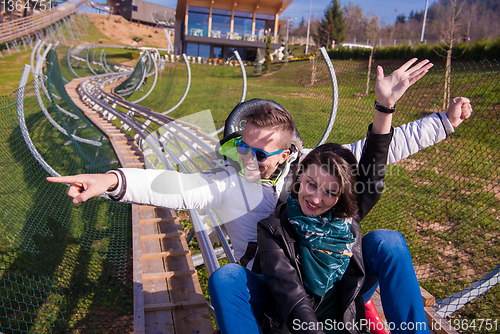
(150, 187)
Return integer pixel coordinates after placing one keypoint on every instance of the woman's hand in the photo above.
(84, 186)
(390, 89)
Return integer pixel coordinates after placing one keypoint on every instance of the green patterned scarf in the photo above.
(325, 246)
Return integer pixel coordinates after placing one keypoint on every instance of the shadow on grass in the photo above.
(64, 268)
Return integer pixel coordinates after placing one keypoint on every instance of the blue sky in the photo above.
(300, 8)
(383, 9)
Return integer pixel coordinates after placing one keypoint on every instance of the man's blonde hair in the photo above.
(268, 116)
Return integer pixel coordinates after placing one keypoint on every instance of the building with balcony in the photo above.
(143, 11)
(215, 28)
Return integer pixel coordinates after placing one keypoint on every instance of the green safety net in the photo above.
(135, 79)
(65, 268)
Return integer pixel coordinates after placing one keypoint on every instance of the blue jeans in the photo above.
(238, 295)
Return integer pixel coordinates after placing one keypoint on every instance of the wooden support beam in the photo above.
(437, 324)
(161, 236)
(165, 254)
(171, 306)
(428, 299)
(160, 220)
(166, 274)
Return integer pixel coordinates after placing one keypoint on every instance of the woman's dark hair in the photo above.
(340, 162)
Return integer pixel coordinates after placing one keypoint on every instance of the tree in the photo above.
(258, 65)
(355, 21)
(448, 28)
(267, 58)
(302, 23)
(332, 27)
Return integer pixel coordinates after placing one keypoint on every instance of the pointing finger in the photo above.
(62, 179)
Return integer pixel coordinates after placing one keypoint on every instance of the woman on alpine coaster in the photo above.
(312, 271)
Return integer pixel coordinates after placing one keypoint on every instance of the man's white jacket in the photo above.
(241, 203)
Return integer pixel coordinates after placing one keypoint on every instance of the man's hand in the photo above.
(459, 109)
(390, 89)
(84, 186)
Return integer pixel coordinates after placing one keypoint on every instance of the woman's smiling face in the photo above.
(319, 191)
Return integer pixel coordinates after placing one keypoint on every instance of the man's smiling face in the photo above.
(268, 140)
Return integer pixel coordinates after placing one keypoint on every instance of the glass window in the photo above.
(198, 50)
(265, 17)
(243, 14)
(260, 30)
(204, 51)
(242, 28)
(217, 52)
(221, 12)
(192, 50)
(222, 24)
(197, 24)
(198, 9)
(270, 26)
(251, 54)
(241, 51)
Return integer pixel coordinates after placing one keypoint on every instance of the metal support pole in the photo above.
(308, 27)
(423, 24)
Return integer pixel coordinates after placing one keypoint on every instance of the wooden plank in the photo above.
(169, 274)
(133, 164)
(171, 306)
(165, 254)
(155, 289)
(137, 274)
(183, 289)
(160, 236)
(428, 299)
(161, 220)
(437, 324)
(172, 300)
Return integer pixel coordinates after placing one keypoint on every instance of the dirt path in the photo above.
(124, 32)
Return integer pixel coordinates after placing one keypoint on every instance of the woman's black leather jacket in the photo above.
(279, 256)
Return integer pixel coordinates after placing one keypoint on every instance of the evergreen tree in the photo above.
(267, 58)
(302, 23)
(333, 26)
(258, 65)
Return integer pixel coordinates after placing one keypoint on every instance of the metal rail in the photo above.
(335, 101)
(39, 82)
(91, 91)
(24, 127)
(187, 86)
